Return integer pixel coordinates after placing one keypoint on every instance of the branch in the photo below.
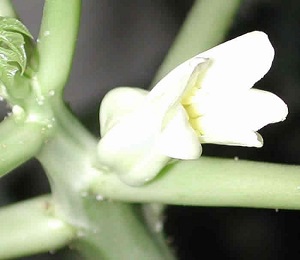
(19, 142)
(30, 227)
(213, 182)
(56, 43)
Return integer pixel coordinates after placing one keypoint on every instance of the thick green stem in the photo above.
(7, 9)
(31, 227)
(19, 142)
(213, 182)
(56, 43)
(206, 26)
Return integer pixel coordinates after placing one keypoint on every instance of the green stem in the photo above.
(31, 227)
(19, 142)
(206, 26)
(7, 9)
(56, 43)
(213, 182)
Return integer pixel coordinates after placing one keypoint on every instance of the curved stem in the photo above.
(18, 143)
(206, 26)
(213, 182)
(56, 43)
(31, 227)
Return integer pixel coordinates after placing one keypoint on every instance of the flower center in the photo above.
(194, 116)
(195, 100)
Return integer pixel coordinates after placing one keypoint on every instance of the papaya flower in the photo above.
(207, 99)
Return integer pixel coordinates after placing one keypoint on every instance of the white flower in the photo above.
(207, 99)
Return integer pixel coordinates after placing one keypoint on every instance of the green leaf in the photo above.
(12, 51)
(13, 25)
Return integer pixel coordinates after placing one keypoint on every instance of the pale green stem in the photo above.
(19, 142)
(56, 43)
(206, 26)
(213, 182)
(7, 9)
(31, 227)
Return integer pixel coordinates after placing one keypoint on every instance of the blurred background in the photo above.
(123, 43)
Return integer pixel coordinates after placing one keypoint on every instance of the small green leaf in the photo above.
(12, 51)
(13, 25)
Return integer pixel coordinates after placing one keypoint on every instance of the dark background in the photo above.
(123, 43)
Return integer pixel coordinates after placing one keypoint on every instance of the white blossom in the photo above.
(207, 99)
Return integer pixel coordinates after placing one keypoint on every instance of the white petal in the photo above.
(178, 139)
(117, 103)
(238, 138)
(217, 131)
(171, 88)
(252, 109)
(234, 65)
(130, 148)
(239, 63)
(259, 108)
